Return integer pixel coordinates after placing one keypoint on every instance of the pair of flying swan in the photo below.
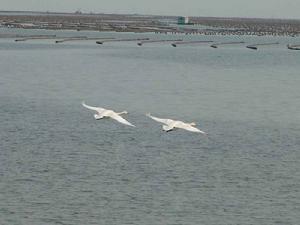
(169, 124)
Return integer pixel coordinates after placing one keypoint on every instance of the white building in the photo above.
(183, 20)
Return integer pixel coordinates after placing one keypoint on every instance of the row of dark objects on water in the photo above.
(141, 41)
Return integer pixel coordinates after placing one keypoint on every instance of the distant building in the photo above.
(183, 20)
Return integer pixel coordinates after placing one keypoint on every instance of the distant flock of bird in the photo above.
(169, 124)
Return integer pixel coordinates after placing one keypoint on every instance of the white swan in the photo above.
(106, 113)
(172, 124)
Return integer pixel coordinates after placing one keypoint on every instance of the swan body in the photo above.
(106, 113)
(170, 125)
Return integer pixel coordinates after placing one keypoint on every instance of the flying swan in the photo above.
(105, 113)
(173, 124)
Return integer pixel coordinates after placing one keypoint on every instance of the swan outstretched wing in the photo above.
(165, 121)
(98, 109)
(121, 119)
(191, 128)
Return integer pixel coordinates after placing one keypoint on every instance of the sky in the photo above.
(215, 8)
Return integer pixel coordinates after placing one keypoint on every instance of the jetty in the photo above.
(10, 35)
(189, 42)
(227, 43)
(255, 46)
(293, 47)
(81, 39)
(120, 40)
(36, 37)
(157, 41)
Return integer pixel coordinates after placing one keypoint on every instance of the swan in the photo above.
(106, 113)
(173, 124)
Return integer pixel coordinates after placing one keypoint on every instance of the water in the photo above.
(60, 166)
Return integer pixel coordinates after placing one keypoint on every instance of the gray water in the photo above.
(60, 166)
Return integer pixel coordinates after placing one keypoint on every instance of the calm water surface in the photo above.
(60, 166)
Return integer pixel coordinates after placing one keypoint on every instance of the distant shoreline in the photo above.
(148, 23)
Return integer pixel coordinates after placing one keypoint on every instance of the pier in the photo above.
(81, 39)
(227, 43)
(189, 42)
(255, 46)
(119, 40)
(157, 41)
(36, 37)
(293, 47)
(70, 39)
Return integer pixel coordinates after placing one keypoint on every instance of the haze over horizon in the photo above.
(211, 8)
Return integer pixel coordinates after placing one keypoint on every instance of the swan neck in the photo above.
(124, 112)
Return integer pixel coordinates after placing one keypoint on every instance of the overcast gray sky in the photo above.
(230, 8)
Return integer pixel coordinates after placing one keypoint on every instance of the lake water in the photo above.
(58, 165)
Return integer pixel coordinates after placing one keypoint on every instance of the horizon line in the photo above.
(79, 12)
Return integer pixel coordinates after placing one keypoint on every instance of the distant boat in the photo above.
(252, 47)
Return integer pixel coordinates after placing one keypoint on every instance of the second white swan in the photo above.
(173, 124)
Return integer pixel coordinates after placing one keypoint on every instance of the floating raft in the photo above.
(293, 47)
(80, 39)
(119, 40)
(156, 41)
(189, 42)
(227, 43)
(255, 46)
(36, 37)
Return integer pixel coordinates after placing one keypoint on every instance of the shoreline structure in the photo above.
(155, 24)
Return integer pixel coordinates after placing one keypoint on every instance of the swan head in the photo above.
(97, 117)
(193, 124)
(124, 112)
